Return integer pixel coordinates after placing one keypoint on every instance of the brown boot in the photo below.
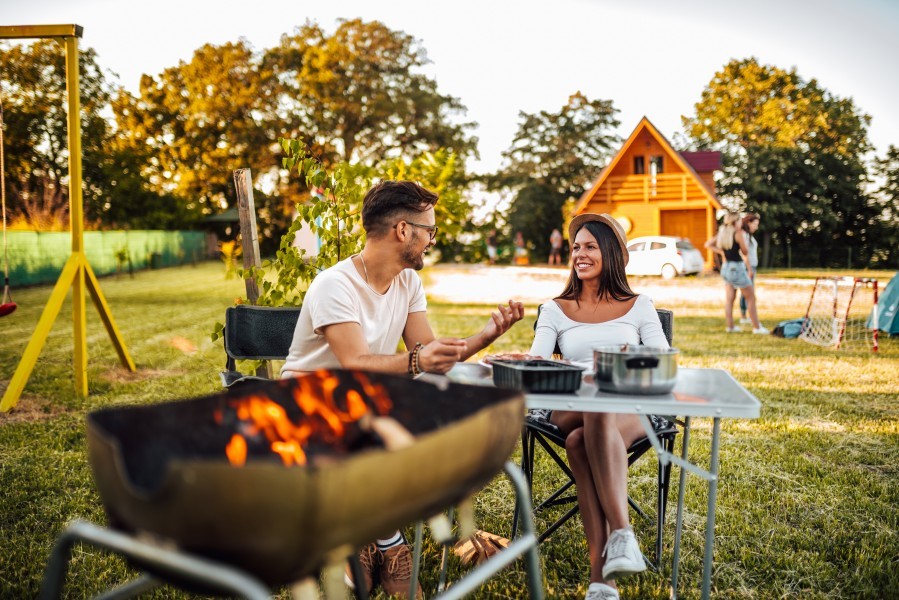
(370, 558)
(396, 572)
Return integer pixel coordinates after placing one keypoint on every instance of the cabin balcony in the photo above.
(646, 188)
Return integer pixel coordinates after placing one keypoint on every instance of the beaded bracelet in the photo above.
(414, 368)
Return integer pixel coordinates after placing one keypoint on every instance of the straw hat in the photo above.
(580, 220)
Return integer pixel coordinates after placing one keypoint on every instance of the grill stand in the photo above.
(205, 572)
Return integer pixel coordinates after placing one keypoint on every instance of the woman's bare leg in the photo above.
(606, 440)
(729, 294)
(749, 294)
(595, 526)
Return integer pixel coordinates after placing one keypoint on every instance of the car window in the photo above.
(638, 247)
(685, 245)
(657, 246)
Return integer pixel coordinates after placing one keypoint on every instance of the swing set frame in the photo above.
(77, 272)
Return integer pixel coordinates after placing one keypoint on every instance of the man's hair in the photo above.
(612, 278)
(389, 201)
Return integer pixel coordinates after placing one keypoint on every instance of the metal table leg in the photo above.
(710, 516)
(679, 519)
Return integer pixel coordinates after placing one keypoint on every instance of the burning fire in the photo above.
(315, 395)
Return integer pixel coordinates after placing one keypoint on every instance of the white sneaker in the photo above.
(761, 330)
(601, 591)
(745, 321)
(623, 556)
(733, 329)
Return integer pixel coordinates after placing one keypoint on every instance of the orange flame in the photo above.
(315, 397)
(237, 450)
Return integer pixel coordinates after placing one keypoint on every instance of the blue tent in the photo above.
(887, 309)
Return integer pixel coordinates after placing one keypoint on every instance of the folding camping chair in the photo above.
(256, 333)
(538, 431)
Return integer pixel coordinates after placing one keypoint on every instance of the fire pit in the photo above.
(272, 477)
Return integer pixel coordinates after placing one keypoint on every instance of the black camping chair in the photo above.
(256, 333)
(539, 431)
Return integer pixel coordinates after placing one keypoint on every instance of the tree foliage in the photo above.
(795, 153)
(553, 157)
(886, 202)
(358, 94)
(333, 214)
(195, 123)
(33, 94)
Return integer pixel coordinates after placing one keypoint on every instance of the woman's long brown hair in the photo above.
(612, 278)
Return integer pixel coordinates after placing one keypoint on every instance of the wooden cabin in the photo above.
(652, 189)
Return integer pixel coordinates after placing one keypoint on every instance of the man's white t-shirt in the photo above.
(341, 295)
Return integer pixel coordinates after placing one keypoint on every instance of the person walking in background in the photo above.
(750, 226)
(555, 247)
(730, 243)
(521, 251)
(491, 247)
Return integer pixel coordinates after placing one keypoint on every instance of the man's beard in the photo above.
(412, 259)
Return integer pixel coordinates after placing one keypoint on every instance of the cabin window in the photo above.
(656, 165)
(639, 166)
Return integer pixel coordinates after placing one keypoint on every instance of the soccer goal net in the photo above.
(838, 313)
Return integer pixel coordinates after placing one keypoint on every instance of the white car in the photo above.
(663, 255)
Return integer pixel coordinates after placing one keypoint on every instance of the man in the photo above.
(355, 313)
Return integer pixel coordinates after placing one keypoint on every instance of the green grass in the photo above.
(808, 504)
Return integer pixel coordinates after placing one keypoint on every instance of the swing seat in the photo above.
(8, 308)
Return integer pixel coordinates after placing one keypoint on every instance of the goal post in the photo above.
(840, 311)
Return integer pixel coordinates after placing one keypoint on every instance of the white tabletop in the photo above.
(698, 393)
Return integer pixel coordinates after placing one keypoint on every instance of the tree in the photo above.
(197, 122)
(794, 152)
(33, 93)
(885, 250)
(553, 157)
(357, 95)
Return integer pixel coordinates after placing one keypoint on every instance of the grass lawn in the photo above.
(808, 504)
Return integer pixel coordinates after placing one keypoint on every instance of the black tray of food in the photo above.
(540, 375)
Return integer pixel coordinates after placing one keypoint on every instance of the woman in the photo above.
(598, 308)
(731, 244)
(750, 226)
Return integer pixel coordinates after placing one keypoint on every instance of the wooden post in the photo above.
(249, 241)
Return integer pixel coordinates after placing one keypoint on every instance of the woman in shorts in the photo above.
(731, 244)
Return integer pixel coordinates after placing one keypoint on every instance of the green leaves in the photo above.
(793, 152)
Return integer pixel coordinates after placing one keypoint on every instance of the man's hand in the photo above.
(501, 320)
(440, 355)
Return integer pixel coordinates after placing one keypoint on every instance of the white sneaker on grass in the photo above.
(733, 329)
(601, 591)
(745, 321)
(761, 330)
(623, 556)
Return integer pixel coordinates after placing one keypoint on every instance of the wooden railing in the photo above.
(665, 186)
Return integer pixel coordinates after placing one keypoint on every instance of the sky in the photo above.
(652, 58)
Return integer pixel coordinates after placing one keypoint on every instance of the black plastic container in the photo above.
(540, 375)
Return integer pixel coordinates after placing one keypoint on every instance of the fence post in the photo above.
(249, 241)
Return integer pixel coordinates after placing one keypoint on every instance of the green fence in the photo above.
(36, 257)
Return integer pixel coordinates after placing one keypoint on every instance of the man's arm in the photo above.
(500, 322)
(348, 344)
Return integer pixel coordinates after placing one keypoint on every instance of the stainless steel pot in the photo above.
(631, 369)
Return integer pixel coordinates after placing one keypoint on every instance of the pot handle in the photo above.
(642, 362)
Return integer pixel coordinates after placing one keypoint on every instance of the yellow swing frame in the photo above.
(77, 272)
